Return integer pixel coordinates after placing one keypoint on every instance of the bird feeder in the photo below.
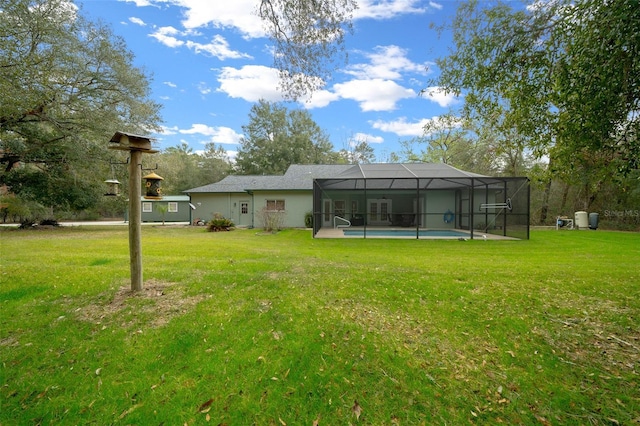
(154, 192)
(113, 187)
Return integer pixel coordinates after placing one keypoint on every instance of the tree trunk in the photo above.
(544, 209)
(565, 196)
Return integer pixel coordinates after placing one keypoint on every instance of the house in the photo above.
(241, 198)
(178, 209)
(411, 198)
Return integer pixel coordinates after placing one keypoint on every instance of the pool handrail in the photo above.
(347, 223)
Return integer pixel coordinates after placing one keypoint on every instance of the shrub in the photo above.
(220, 223)
(308, 219)
(27, 224)
(272, 221)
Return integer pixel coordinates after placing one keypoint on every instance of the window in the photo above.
(173, 207)
(244, 207)
(339, 207)
(275, 205)
(354, 207)
(147, 207)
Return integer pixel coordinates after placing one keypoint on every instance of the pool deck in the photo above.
(337, 233)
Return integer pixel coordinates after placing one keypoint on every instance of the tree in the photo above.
(215, 163)
(183, 169)
(358, 151)
(447, 139)
(309, 40)
(275, 138)
(66, 84)
(560, 77)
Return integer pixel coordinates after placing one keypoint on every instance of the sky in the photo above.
(210, 62)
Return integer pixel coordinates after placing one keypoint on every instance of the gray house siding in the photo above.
(296, 204)
(230, 205)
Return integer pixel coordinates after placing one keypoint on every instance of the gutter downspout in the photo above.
(253, 209)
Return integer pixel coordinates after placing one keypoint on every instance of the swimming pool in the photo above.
(404, 233)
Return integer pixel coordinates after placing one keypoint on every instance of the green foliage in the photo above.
(308, 40)
(359, 151)
(220, 223)
(553, 78)
(275, 138)
(16, 209)
(308, 219)
(65, 84)
(183, 169)
(244, 328)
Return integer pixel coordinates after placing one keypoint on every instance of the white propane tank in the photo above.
(581, 220)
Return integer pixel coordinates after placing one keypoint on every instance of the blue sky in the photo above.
(210, 62)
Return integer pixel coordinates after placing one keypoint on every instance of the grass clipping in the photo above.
(161, 301)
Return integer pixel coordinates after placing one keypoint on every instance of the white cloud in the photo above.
(226, 135)
(251, 83)
(386, 9)
(241, 14)
(169, 130)
(438, 95)
(166, 36)
(364, 137)
(402, 127)
(374, 94)
(139, 3)
(435, 5)
(221, 135)
(204, 88)
(170, 84)
(320, 99)
(199, 129)
(238, 14)
(388, 62)
(137, 21)
(218, 47)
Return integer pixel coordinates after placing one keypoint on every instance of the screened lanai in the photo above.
(419, 200)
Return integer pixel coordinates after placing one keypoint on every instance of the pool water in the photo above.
(403, 233)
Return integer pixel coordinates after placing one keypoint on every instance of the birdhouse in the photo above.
(130, 142)
(154, 192)
(113, 187)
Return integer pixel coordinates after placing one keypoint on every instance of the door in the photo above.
(326, 213)
(464, 203)
(331, 209)
(379, 211)
(245, 215)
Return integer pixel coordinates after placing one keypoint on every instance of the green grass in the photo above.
(241, 328)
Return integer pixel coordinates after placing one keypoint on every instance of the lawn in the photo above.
(240, 328)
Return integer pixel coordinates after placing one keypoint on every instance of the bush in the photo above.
(272, 221)
(27, 224)
(308, 220)
(220, 223)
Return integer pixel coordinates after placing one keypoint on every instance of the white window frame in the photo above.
(147, 207)
(172, 207)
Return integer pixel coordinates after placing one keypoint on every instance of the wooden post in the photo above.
(136, 145)
(135, 219)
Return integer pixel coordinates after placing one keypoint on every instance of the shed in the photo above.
(178, 209)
